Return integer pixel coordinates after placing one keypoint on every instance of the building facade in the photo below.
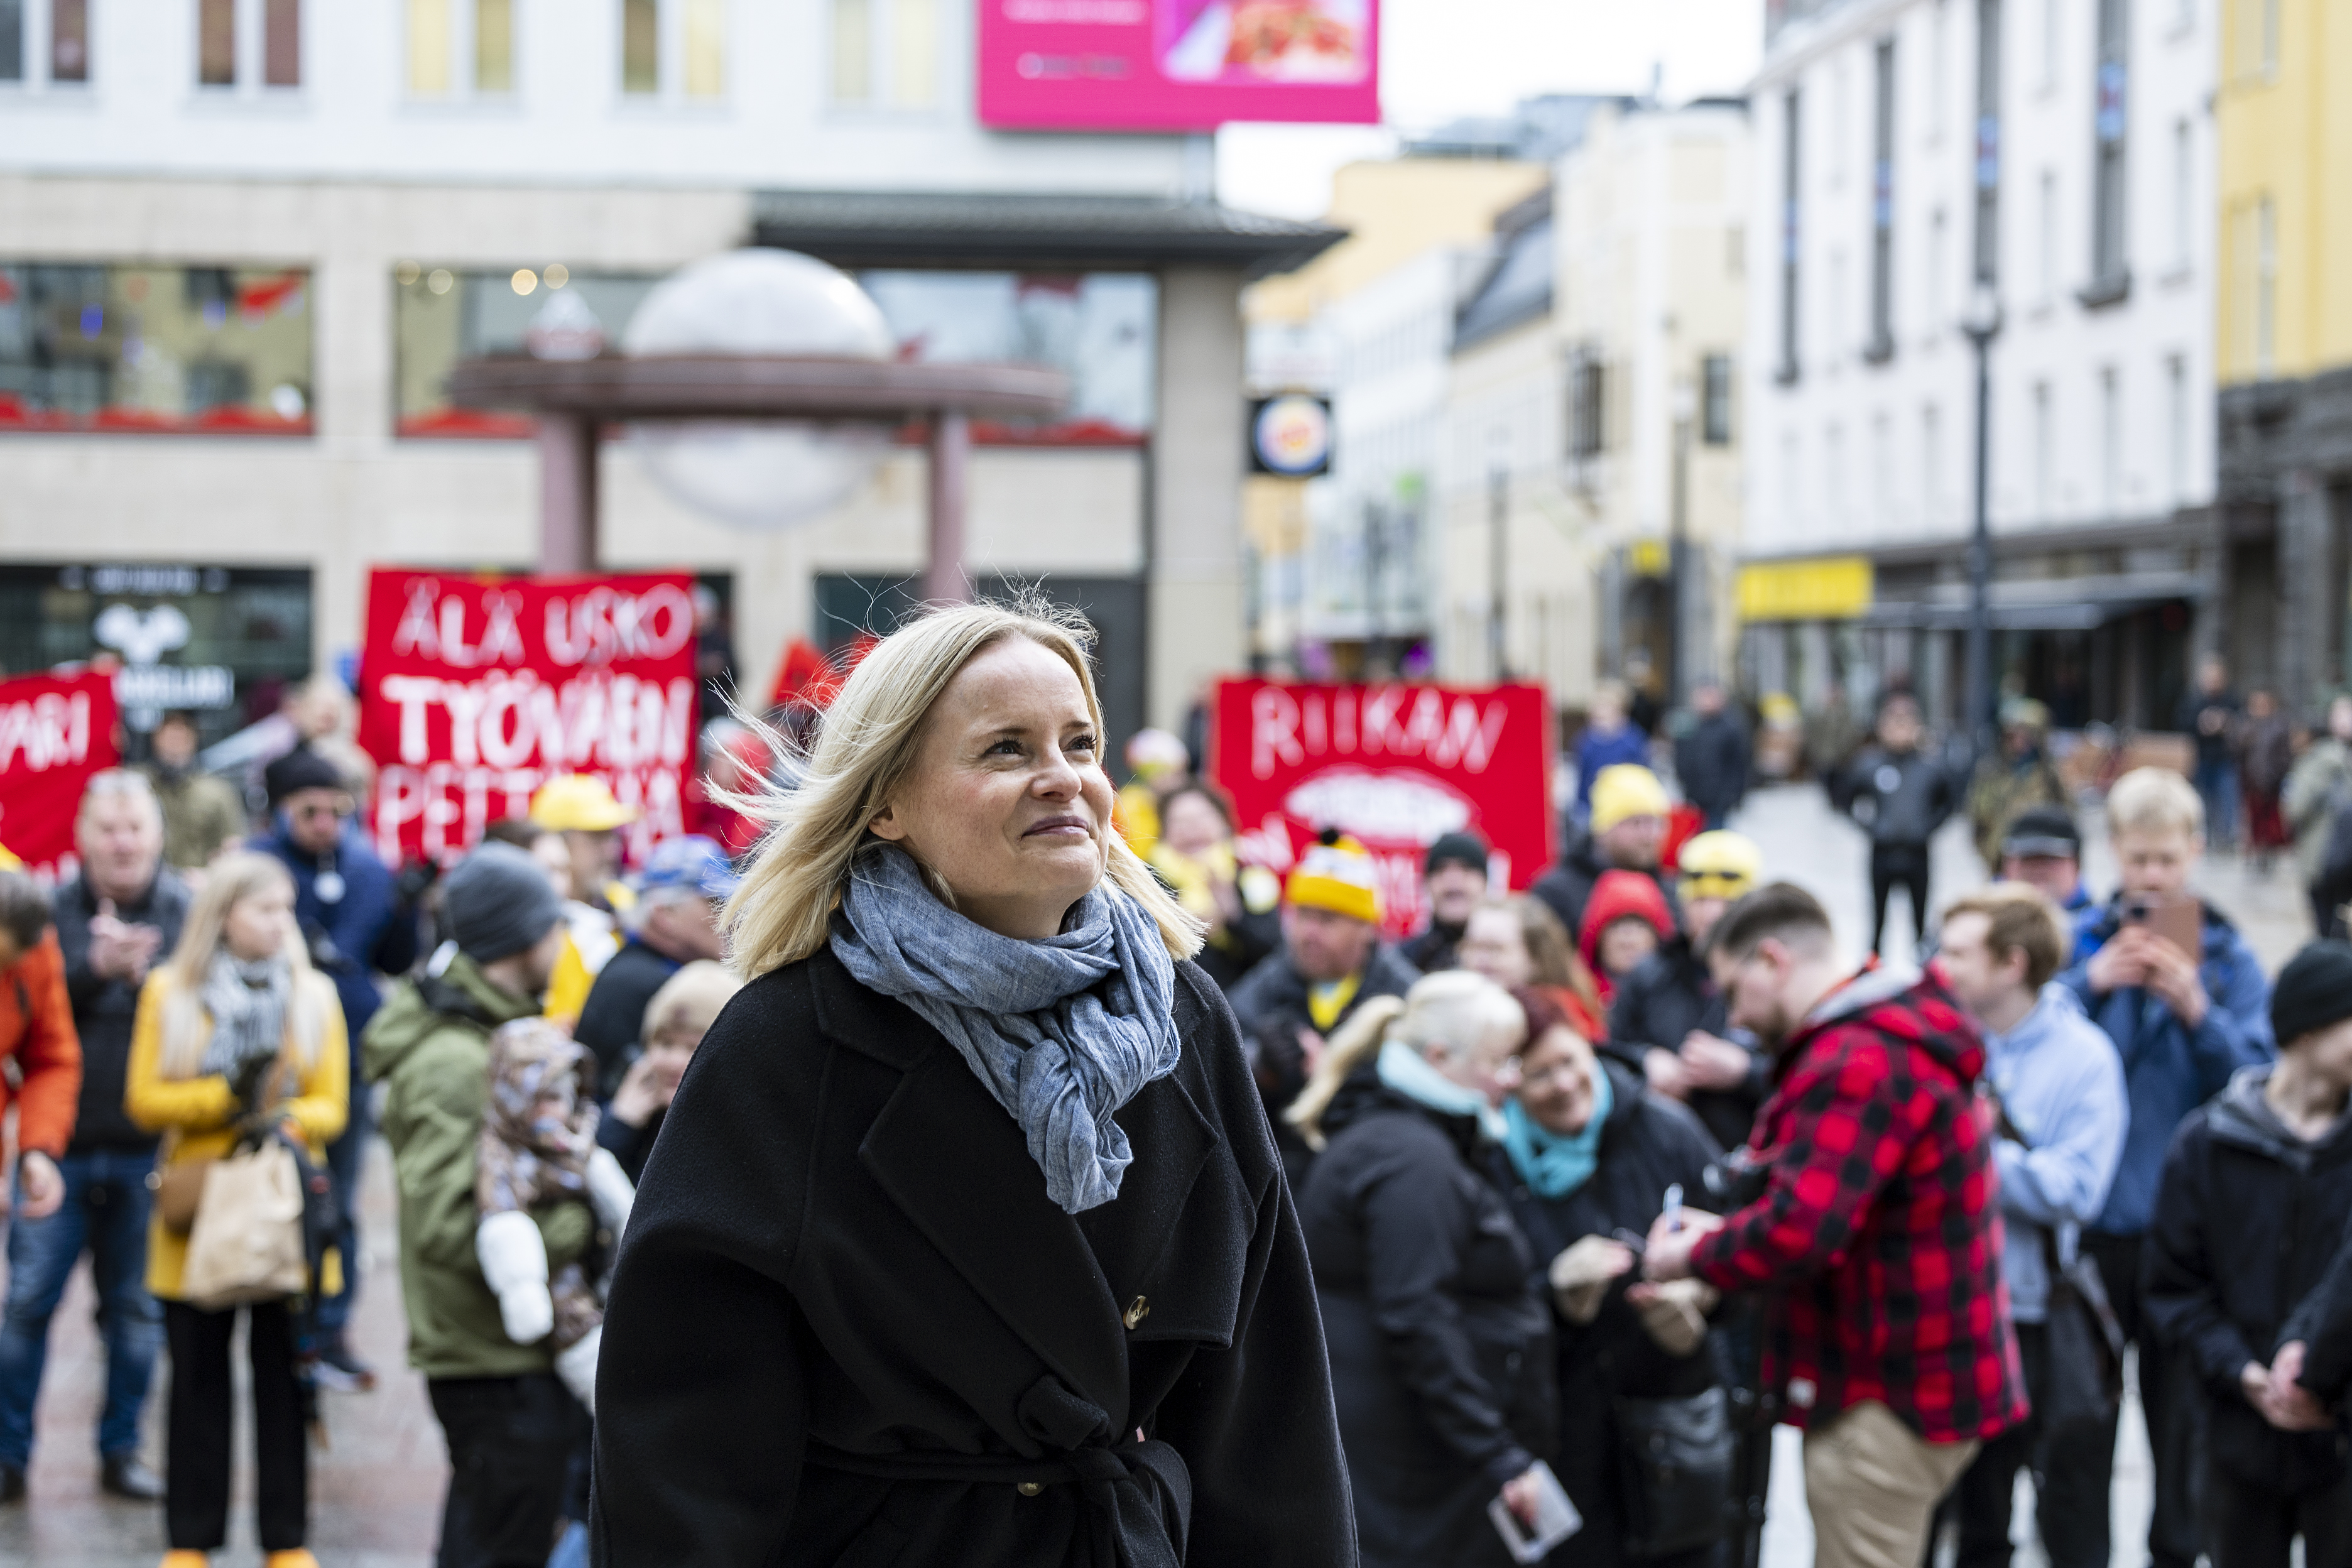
(243, 241)
(1918, 159)
(2284, 330)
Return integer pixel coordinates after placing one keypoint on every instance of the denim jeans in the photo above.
(105, 1209)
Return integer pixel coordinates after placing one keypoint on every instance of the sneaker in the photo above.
(298, 1558)
(339, 1372)
(180, 1557)
(125, 1476)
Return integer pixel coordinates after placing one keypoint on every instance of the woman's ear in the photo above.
(886, 825)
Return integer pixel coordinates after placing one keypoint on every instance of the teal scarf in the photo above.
(1551, 1166)
(1402, 1069)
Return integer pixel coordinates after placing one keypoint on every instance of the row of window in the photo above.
(228, 350)
(883, 53)
(1591, 425)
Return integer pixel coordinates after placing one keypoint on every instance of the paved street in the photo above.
(376, 1488)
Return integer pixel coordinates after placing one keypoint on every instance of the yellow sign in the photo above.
(1646, 557)
(1834, 588)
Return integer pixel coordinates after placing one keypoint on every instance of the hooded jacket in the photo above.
(1900, 799)
(1440, 1344)
(2246, 1223)
(429, 1045)
(1878, 1237)
(2061, 1087)
(1567, 887)
(2169, 1069)
(1656, 1008)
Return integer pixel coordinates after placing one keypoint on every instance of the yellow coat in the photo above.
(198, 1114)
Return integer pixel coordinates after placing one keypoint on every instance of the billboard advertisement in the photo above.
(1176, 65)
(54, 731)
(1397, 766)
(475, 690)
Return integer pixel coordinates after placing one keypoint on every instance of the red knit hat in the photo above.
(1617, 896)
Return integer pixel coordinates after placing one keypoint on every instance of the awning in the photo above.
(2053, 604)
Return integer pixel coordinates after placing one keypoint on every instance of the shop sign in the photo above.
(475, 690)
(1395, 764)
(55, 732)
(1290, 436)
(1176, 65)
(1833, 588)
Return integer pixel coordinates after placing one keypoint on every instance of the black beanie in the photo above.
(1457, 849)
(300, 769)
(499, 901)
(2312, 991)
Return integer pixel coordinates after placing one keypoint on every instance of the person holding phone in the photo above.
(2178, 989)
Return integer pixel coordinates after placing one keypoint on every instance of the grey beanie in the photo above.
(499, 901)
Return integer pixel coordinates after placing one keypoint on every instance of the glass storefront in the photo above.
(148, 349)
(223, 642)
(1100, 329)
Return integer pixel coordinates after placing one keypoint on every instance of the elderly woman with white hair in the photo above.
(1441, 1350)
(965, 1240)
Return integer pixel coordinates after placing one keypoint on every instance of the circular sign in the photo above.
(1293, 436)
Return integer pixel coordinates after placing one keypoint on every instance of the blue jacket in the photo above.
(2062, 1087)
(1595, 751)
(2170, 1070)
(358, 923)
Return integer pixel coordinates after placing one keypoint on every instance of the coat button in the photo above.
(1028, 1489)
(1137, 1310)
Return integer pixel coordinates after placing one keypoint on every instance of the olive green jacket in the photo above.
(429, 1047)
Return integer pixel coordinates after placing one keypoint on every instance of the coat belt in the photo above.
(1138, 1495)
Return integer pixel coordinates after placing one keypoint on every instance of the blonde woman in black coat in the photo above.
(964, 1240)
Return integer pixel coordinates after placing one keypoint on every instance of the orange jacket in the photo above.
(37, 1027)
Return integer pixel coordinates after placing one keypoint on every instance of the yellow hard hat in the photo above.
(579, 802)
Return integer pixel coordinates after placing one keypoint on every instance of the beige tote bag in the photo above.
(246, 1244)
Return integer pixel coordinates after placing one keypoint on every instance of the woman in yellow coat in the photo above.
(235, 1035)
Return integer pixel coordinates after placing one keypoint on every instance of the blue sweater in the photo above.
(1595, 751)
(2169, 1069)
(2061, 1088)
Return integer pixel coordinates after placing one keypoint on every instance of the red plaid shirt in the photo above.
(1878, 1236)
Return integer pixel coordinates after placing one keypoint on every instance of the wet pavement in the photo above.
(376, 1488)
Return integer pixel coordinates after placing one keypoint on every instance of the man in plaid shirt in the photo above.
(1877, 1233)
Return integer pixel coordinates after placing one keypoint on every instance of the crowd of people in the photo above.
(213, 989)
(1596, 1182)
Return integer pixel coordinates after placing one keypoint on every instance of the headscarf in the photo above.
(524, 1157)
(246, 1001)
(1061, 1031)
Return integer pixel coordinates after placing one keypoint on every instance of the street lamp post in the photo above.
(1982, 325)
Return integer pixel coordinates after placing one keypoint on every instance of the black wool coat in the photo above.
(848, 1327)
(1658, 1005)
(1441, 1350)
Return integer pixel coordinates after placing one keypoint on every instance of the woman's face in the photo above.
(1190, 826)
(1624, 944)
(1556, 1081)
(257, 923)
(1007, 800)
(1493, 945)
(1491, 1069)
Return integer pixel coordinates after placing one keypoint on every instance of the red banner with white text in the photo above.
(475, 690)
(54, 731)
(1395, 765)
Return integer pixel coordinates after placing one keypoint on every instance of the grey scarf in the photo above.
(1063, 1032)
(247, 1004)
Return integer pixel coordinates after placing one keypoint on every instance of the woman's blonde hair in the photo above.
(1550, 951)
(818, 823)
(697, 992)
(232, 879)
(1452, 1007)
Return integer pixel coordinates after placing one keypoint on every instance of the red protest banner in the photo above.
(54, 731)
(1395, 765)
(475, 690)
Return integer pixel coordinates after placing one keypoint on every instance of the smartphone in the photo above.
(2180, 921)
(1556, 1520)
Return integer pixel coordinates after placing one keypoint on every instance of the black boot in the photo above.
(125, 1476)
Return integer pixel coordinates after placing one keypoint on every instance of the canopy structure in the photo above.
(574, 400)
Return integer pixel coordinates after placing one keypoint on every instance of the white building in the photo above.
(242, 241)
(2059, 152)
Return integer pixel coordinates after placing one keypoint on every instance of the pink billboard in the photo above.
(1176, 65)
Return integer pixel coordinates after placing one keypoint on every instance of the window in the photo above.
(2046, 451)
(12, 40)
(2184, 194)
(1987, 163)
(62, 24)
(1588, 424)
(248, 42)
(2053, 15)
(154, 349)
(2111, 443)
(674, 48)
(2265, 287)
(1715, 400)
(68, 40)
(1939, 53)
(1881, 467)
(1882, 208)
(1938, 320)
(2176, 419)
(1838, 122)
(459, 48)
(2046, 250)
(1791, 125)
(885, 53)
(2110, 267)
(1931, 466)
(1833, 474)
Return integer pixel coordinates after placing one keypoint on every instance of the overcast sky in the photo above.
(1444, 59)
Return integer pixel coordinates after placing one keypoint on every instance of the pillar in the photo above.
(944, 579)
(567, 493)
(1194, 593)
